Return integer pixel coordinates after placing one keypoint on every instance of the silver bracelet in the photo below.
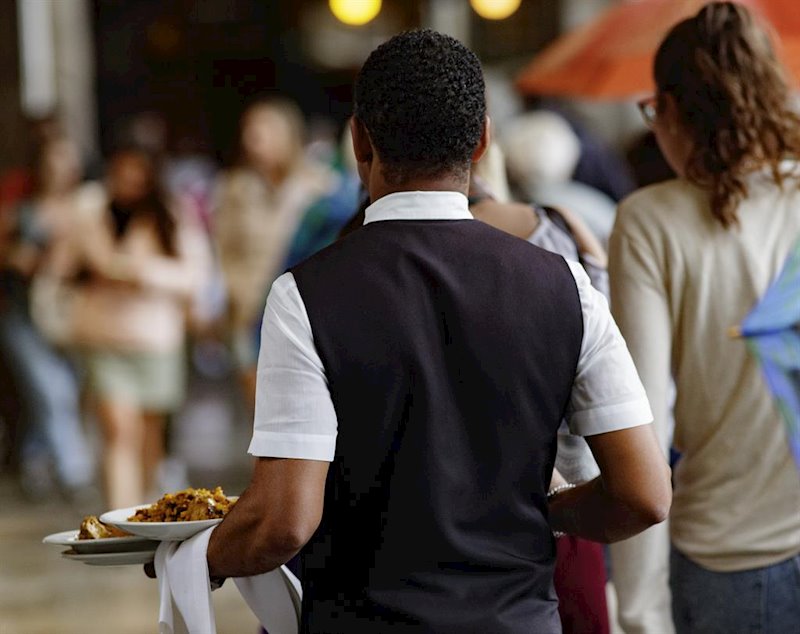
(559, 489)
(554, 492)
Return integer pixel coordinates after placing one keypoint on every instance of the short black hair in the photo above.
(421, 97)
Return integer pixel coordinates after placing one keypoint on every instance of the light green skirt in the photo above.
(155, 382)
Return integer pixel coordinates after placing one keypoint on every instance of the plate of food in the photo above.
(175, 516)
(111, 559)
(94, 536)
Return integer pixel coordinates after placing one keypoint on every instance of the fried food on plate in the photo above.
(93, 528)
(185, 506)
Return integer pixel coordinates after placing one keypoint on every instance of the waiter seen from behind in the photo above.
(411, 381)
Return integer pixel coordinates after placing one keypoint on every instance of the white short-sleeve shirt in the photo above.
(295, 417)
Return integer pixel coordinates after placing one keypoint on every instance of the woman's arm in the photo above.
(180, 274)
(95, 250)
(641, 308)
(183, 273)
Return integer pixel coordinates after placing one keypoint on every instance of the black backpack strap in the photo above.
(598, 275)
(559, 221)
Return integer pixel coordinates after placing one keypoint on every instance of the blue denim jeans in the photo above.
(48, 392)
(759, 601)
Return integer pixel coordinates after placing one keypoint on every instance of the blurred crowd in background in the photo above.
(121, 281)
(174, 160)
(114, 287)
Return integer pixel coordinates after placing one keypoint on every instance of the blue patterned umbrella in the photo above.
(772, 331)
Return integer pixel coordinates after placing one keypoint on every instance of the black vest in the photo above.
(450, 349)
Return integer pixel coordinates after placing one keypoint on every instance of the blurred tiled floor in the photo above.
(42, 593)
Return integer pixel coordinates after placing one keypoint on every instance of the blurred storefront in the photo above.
(99, 63)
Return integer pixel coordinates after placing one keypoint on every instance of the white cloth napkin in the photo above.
(184, 587)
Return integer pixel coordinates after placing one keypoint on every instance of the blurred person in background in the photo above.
(33, 237)
(542, 153)
(142, 263)
(260, 204)
(325, 217)
(187, 172)
(600, 165)
(689, 258)
(647, 162)
(17, 182)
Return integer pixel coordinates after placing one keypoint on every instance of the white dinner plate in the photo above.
(128, 543)
(111, 559)
(161, 531)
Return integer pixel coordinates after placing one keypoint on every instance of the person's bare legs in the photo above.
(152, 448)
(123, 440)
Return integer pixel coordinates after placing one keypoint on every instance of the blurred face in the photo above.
(129, 179)
(675, 143)
(267, 138)
(60, 167)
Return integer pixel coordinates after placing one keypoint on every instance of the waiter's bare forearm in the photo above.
(632, 493)
(588, 511)
(273, 519)
(240, 546)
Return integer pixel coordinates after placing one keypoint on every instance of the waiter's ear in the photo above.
(362, 145)
(485, 140)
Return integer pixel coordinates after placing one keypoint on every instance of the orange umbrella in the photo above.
(612, 56)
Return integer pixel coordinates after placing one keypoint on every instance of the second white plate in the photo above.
(105, 545)
(111, 559)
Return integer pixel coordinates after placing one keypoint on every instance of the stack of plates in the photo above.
(109, 551)
(138, 548)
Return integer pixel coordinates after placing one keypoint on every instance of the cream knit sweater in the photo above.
(679, 280)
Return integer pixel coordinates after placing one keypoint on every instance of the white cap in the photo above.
(541, 148)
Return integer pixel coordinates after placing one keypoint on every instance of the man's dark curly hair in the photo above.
(421, 97)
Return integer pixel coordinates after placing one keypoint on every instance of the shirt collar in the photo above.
(428, 205)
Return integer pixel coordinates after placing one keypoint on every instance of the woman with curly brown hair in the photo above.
(689, 258)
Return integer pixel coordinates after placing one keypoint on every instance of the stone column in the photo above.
(452, 17)
(75, 76)
(57, 66)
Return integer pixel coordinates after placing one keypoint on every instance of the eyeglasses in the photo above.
(649, 109)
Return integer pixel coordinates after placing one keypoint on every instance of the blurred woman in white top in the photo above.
(142, 264)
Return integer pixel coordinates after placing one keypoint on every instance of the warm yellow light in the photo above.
(495, 9)
(355, 12)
